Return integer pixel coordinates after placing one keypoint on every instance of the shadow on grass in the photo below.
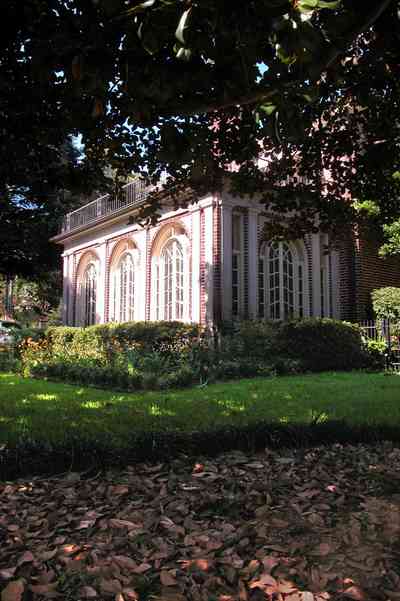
(27, 458)
(49, 428)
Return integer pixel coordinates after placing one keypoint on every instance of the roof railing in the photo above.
(132, 194)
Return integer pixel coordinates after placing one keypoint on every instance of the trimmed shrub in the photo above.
(376, 353)
(102, 377)
(164, 355)
(322, 344)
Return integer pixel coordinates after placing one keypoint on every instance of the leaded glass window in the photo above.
(123, 293)
(236, 263)
(170, 290)
(89, 292)
(280, 282)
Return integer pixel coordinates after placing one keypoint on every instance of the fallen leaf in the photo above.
(27, 557)
(119, 490)
(43, 589)
(117, 523)
(354, 592)
(125, 562)
(167, 579)
(13, 591)
(88, 592)
(143, 567)
(263, 580)
(110, 586)
(306, 596)
(324, 549)
(7, 573)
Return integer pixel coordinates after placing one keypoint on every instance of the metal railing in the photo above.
(132, 194)
(387, 331)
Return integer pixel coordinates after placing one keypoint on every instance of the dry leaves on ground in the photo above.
(316, 525)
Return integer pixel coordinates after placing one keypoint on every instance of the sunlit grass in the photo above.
(54, 412)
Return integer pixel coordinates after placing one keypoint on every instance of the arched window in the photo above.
(123, 289)
(281, 282)
(89, 294)
(170, 282)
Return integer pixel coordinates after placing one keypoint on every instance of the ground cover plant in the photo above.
(300, 525)
(46, 426)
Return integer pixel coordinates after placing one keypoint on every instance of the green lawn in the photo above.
(35, 410)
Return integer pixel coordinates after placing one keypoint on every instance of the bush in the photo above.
(88, 375)
(322, 344)
(9, 362)
(386, 303)
(165, 355)
(376, 353)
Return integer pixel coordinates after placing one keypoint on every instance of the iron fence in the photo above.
(388, 332)
(132, 194)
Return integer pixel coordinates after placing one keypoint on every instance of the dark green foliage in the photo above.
(375, 351)
(8, 362)
(162, 355)
(153, 86)
(322, 344)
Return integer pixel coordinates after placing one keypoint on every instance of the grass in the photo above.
(54, 413)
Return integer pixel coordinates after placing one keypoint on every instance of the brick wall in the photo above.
(374, 272)
(362, 270)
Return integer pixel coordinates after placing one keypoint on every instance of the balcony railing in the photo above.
(132, 194)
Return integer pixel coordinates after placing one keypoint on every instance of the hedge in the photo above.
(139, 355)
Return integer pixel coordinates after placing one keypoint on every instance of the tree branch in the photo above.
(261, 95)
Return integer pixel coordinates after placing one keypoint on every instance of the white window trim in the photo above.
(115, 288)
(157, 304)
(240, 254)
(324, 285)
(82, 299)
(297, 261)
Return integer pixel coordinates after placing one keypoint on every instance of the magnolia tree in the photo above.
(190, 87)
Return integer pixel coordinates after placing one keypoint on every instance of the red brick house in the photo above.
(208, 263)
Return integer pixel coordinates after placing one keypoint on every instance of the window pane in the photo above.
(300, 289)
(173, 281)
(261, 289)
(89, 295)
(236, 232)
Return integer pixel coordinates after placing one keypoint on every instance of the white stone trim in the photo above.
(208, 259)
(226, 261)
(195, 266)
(253, 262)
